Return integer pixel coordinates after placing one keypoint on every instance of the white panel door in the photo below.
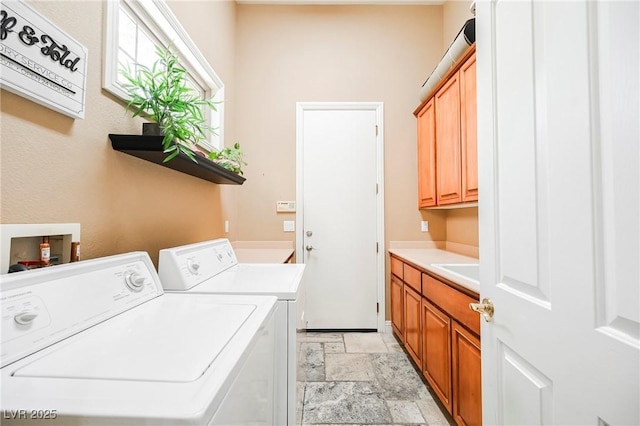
(559, 161)
(339, 228)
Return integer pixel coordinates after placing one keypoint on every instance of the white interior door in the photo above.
(559, 159)
(339, 214)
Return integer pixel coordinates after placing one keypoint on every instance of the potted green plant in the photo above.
(162, 94)
(229, 158)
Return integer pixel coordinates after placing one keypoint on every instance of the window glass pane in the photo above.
(146, 49)
(126, 33)
(125, 62)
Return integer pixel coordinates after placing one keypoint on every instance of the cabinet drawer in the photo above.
(412, 277)
(456, 304)
(396, 267)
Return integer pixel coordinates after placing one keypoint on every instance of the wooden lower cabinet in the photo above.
(397, 306)
(431, 317)
(436, 350)
(467, 403)
(412, 335)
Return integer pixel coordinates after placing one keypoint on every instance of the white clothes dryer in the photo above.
(99, 342)
(211, 267)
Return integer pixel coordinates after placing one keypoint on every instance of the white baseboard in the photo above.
(387, 327)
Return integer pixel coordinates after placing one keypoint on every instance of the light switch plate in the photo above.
(285, 206)
(289, 226)
(424, 226)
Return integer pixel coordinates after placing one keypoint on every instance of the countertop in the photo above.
(263, 251)
(425, 258)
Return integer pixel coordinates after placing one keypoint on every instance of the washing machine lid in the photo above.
(281, 280)
(169, 339)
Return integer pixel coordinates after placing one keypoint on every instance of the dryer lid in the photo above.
(281, 280)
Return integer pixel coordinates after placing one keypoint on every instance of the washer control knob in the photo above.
(25, 318)
(134, 281)
(193, 266)
(219, 257)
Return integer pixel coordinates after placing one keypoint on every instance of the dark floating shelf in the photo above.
(150, 148)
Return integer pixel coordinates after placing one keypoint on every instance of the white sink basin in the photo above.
(470, 271)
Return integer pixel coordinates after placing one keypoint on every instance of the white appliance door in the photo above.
(559, 160)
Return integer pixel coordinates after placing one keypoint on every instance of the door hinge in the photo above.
(377, 307)
(377, 248)
(376, 130)
(376, 188)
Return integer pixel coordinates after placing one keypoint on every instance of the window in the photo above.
(133, 29)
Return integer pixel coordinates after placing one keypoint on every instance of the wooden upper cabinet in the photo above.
(447, 139)
(469, 130)
(448, 153)
(427, 156)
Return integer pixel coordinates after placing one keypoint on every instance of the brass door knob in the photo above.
(485, 308)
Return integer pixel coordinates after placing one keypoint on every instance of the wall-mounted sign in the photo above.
(39, 61)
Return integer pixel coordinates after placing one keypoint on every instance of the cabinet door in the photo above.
(448, 153)
(469, 130)
(397, 307)
(427, 156)
(412, 331)
(397, 267)
(467, 404)
(436, 352)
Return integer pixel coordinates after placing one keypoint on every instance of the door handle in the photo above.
(485, 308)
(309, 247)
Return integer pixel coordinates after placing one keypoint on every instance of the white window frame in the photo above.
(158, 18)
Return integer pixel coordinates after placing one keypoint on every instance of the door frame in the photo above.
(378, 107)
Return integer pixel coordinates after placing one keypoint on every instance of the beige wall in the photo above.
(56, 169)
(462, 226)
(287, 54)
(454, 14)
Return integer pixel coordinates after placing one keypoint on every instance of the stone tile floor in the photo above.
(360, 379)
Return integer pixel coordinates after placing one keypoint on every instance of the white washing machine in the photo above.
(212, 267)
(98, 342)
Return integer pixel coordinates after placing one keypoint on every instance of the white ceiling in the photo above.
(321, 2)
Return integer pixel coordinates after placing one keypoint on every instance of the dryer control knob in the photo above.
(25, 318)
(134, 281)
(193, 266)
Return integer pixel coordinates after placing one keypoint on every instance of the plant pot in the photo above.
(151, 129)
